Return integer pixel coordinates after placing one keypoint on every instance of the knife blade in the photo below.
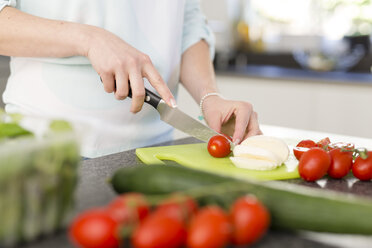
(177, 118)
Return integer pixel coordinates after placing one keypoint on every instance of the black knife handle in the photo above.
(150, 97)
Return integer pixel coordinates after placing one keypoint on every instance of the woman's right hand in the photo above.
(117, 62)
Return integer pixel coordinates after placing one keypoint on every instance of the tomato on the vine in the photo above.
(314, 164)
(129, 208)
(362, 167)
(159, 230)
(95, 228)
(341, 162)
(210, 227)
(302, 147)
(219, 146)
(250, 220)
(179, 206)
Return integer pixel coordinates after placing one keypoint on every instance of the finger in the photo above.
(158, 83)
(138, 90)
(108, 81)
(242, 118)
(214, 122)
(253, 126)
(122, 87)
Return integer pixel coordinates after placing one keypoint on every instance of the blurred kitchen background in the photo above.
(302, 63)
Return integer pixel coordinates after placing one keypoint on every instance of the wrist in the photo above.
(205, 98)
(205, 91)
(86, 36)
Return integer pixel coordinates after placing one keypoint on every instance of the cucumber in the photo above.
(292, 206)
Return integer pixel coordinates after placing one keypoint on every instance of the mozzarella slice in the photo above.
(253, 152)
(275, 145)
(253, 164)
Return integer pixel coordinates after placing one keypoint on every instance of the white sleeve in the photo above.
(195, 27)
(4, 3)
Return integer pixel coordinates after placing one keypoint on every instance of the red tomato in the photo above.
(159, 231)
(362, 168)
(94, 228)
(129, 208)
(179, 206)
(250, 220)
(342, 145)
(324, 143)
(210, 227)
(219, 146)
(341, 162)
(314, 164)
(302, 147)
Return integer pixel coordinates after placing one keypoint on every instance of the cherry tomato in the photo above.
(219, 146)
(129, 208)
(341, 162)
(94, 228)
(362, 168)
(250, 220)
(302, 147)
(343, 145)
(324, 143)
(159, 231)
(179, 206)
(210, 227)
(314, 164)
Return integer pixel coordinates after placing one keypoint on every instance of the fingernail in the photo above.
(173, 103)
(236, 142)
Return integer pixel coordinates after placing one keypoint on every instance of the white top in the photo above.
(69, 88)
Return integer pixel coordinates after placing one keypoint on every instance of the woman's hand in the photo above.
(234, 118)
(117, 62)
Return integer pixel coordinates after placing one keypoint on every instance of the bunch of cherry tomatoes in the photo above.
(175, 222)
(335, 159)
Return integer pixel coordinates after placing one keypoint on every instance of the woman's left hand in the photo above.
(234, 118)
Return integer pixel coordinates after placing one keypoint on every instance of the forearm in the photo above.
(197, 73)
(114, 60)
(25, 35)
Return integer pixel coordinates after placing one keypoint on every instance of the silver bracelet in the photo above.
(201, 116)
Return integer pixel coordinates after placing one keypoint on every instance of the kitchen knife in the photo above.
(177, 118)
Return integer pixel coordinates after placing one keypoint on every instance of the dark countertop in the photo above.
(281, 73)
(93, 190)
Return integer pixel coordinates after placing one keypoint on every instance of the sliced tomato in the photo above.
(342, 145)
(323, 143)
(302, 147)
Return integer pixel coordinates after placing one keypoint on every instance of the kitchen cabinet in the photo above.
(319, 105)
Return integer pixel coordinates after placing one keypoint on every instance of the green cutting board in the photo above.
(196, 156)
